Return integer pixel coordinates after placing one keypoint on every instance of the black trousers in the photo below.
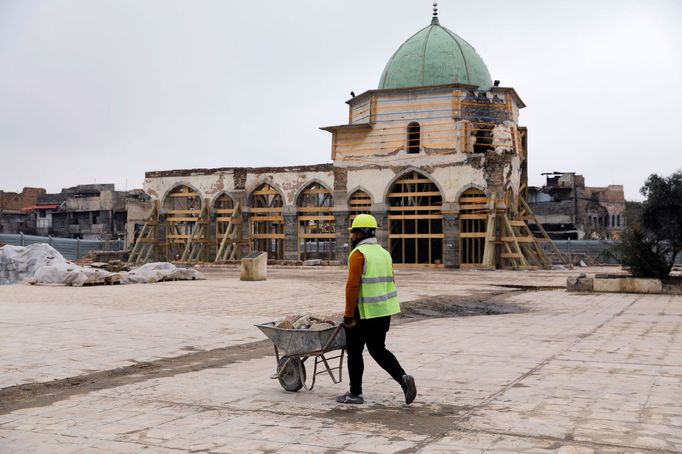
(370, 332)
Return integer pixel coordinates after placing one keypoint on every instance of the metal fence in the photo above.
(601, 251)
(71, 249)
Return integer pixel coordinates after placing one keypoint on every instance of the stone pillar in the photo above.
(243, 248)
(290, 233)
(342, 236)
(381, 215)
(341, 215)
(451, 235)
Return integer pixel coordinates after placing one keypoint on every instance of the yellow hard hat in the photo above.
(364, 221)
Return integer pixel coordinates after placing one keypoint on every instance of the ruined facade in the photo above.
(16, 210)
(435, 153)
(92, 211)
(567, 209)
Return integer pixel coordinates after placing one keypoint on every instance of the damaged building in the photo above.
(91, 211)
(567, 209)
(435, 153)
(16, 210)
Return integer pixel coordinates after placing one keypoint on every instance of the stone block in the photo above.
(638, 285)
(579, 284)
(312, 262)
(628, 285)
(254, 267)
(607, 285)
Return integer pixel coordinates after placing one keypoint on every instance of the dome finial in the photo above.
(434, 19)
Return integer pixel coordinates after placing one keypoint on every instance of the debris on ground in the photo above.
(304, 321)
(40, 263)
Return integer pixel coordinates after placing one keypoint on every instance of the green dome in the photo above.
(435, 56)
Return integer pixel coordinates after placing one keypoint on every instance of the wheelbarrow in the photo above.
(299, 345)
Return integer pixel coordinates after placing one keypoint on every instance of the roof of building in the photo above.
(52, 206)
(435, 56)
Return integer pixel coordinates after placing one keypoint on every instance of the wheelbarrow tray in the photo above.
(304, 342)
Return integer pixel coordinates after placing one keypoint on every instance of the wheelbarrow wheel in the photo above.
(291, 378)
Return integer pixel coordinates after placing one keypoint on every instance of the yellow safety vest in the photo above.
(378, 295)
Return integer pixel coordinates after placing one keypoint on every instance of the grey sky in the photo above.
(102, 91)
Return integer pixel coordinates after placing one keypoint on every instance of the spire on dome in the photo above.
(434, 19)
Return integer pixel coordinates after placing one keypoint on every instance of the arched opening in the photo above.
(413, 137)
(266, 223)
(472, 228)
(186, 222)
(316, 223)
(359, 202)
(415, 221)
(228, 232)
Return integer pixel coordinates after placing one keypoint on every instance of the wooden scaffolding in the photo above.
(186, 222)
(316, 224)
(415, 218)
(266, 223)
(507, 232)
(228, 223)
(146, 245)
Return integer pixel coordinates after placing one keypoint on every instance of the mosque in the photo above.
(435, 153)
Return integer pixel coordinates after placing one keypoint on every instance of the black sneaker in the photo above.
(409, 388)
(349, 398)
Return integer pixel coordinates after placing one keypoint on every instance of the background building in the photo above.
(567, 209)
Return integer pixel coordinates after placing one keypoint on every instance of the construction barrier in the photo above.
(70, 248)
(601, 252)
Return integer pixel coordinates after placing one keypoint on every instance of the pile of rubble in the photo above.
(40, 263)
(304, 321)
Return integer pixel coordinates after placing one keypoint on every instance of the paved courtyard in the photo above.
(179, 367)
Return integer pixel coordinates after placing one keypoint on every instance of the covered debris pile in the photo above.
(40, 263)
(304, 321)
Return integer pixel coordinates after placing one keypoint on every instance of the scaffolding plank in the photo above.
(273, 219)
(415, 216)
(322, 217)
(266, 210)
(197, 212)
(415, 194)
(261, 236)
(329, 236)
(315, 209)
(416, 235)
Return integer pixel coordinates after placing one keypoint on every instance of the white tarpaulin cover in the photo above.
(18, 263)
(42, 264)
(158, 271)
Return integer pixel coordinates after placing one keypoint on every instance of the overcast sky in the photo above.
(102, 91)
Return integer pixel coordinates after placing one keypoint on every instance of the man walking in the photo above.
(371, 299)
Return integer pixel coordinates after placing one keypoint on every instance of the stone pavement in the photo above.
(576, 373)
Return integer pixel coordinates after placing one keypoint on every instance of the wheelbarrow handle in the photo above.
(332, 337)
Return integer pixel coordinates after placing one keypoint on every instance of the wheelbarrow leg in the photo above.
(329, 369)
(312, 384)
(278, 370)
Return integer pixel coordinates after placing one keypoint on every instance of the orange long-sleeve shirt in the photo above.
(356, 264)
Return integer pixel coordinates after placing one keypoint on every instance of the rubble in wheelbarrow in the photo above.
(304, 321)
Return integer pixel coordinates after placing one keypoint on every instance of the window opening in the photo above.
(413, 138)
(316, 224)
(472, 227)
(415, 221)
(266, 223)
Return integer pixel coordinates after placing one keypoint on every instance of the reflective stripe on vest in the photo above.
(378, 295)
